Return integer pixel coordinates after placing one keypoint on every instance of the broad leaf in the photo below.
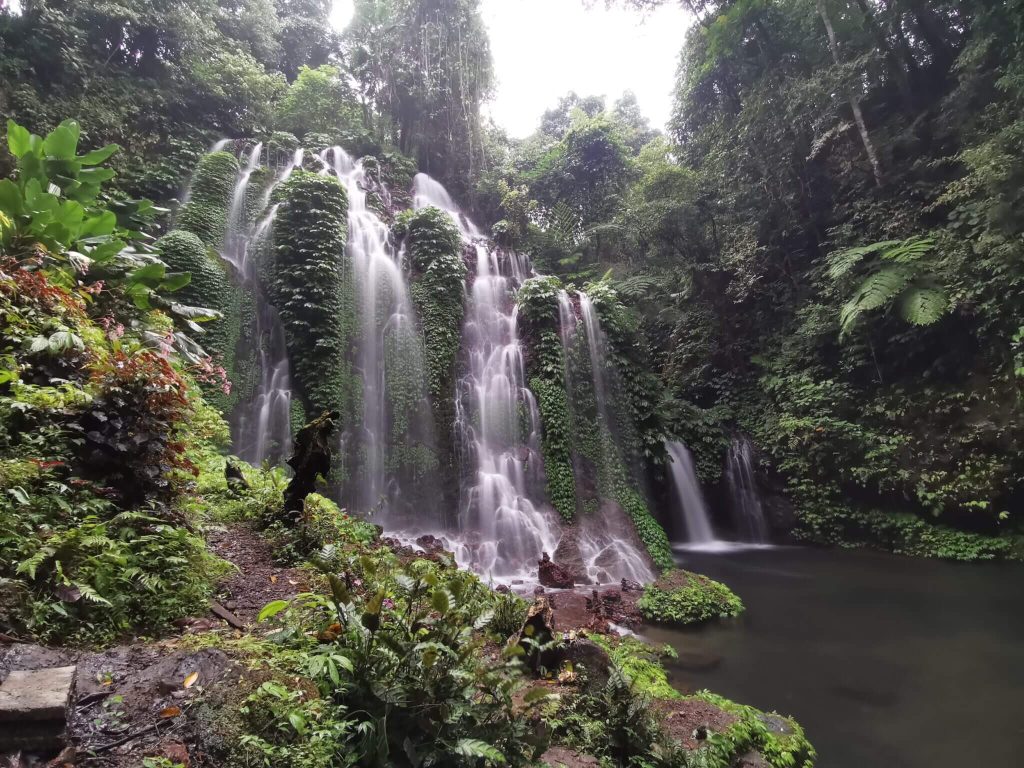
(19, 140)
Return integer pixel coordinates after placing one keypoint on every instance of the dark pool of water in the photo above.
(887, 662)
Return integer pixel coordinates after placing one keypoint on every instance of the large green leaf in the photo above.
(150, 275)
(11, 201)
(62, 141)
(841, 262)
(19, 140)
(911, 249)
(97, 156)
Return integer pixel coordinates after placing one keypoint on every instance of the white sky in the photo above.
(545, 48)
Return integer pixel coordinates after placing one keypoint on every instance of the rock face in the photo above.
(553, 575)
(33, 708)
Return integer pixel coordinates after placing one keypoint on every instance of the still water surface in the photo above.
(887, 662)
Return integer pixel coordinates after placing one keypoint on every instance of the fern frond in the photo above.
(841, 262)
(923, 305)
(877, 289)
(911, 249)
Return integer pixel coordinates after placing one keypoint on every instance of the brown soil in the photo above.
(688, 720)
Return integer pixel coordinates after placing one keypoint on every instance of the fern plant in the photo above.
(892, 273)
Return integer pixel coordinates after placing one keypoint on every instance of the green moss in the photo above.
(555, 443)
(210, 287)
(312, 289)
(206, 212)
(681, 597)
(434, 249)
(641, 664)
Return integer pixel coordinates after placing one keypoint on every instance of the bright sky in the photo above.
(545, 48)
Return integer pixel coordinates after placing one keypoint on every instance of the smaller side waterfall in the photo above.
(691, 510)
(747, 510)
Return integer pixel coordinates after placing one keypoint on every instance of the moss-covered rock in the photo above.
(312, 289)
(681, 597)
(211, 287)
(206, 213)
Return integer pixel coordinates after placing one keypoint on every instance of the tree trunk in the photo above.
(858, 116)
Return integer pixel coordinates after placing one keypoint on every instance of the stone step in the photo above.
(34, 708)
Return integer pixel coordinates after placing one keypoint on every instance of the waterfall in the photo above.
(387, 335)
(261, 425)
(606, 546)
(747, 512)
(691, 510)
(502, 531)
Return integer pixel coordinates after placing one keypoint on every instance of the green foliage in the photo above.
(905, 281)
(681, 598)
(92, 445)
(427, 69)
(395, 656)
(434, 248)
(206, 213)
(509, 614)
(311, 288)
(320, 101)
(163, 79)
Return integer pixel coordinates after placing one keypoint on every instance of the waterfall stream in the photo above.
(747, 511)
(262, 427)
(691, 510)
(503, 532)
(388, 355)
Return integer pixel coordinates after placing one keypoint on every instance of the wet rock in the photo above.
(632, 586)
(751, 759)
(502, 589)
(586, 657)
(176, 752)
(776, 723)
(537, 591)
(568, 555)
(550, 574)
(537, 628)
(430, 544)
(571, 611)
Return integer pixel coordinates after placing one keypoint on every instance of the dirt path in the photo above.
(258, 580)
(150, 698)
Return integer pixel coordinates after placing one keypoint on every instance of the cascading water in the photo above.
(604, 541)
(503, 531)
(747, 511)
(262, 424)
(691, 511)
(388, 355)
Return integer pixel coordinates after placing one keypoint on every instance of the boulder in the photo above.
(586, 657)
(550, 574)
(567, 554)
